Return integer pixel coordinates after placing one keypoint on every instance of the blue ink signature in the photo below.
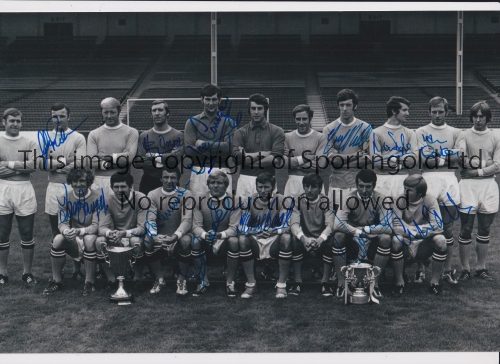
(162, 216)
(253, 225)
(165, 146)
(210, 133)
(391, 216)
(402, 148)
(81, 207)
(353, 138)
(45, 142)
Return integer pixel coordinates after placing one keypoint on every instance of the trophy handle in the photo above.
(344, 269)
(104, 249)
(375, 271)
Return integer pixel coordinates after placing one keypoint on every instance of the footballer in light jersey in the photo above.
(17, 196)
(68, 149)
(394, 149)
(304, 141)
(441, 141)
(478, 189)
(347, 143)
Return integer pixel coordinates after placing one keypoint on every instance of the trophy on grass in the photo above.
(119, 261)
(359, 283)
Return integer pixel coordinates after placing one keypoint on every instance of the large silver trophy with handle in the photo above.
(359, 283)
(119, 261)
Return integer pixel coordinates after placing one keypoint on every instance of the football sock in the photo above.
(381, 259)
(28, 249)
(57, 260)
(90, 259)
(297, 271)
(232, 266)
(247, 262)
(184, 261)
(4, 255)
(339, 259)
(464, 252)
(398, 263)
(449, 254)
(284, 260)
(200, 265)
(482, 244)
(438, 259)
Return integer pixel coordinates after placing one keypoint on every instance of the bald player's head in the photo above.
(110, 102)
(110, 109)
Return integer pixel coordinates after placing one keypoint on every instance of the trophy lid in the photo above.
(119, 249)
(361, 265)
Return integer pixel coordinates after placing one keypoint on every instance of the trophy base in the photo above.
(358, 300)
(121, 297)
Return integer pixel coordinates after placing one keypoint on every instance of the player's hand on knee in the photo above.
(70, 234)
(171, 239)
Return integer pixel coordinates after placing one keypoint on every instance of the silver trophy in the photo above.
(119, 261)
(359, 283)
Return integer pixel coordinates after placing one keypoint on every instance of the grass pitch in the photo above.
(465, 318)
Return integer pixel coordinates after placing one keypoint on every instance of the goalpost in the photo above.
(182, 108)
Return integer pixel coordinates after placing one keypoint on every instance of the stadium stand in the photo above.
(196, 48)
(33, 86)
(417, 84)
(131, 47)
(276, 48)
(51, 47)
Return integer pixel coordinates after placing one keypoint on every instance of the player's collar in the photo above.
(168, 193)
(390, 126)
(418, 202)
(273, 195)
(216, 117)
(438, 127)
(480, 132)
(317, 199)
(87, 195)
(304, 135)
(162, 132)
(218, 198)
(66, 132)
(350, 124)
(114, 127)
(362, 199)
(11, 138)
(262, 125)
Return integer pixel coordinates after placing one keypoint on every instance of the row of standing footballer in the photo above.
(371, 171)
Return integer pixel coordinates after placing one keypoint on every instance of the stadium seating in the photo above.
(131, 47)
(196, 48)
(51, 47)
(417, 84)
(271, 48)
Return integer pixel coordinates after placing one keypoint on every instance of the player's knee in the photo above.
(385, 241)
(339, 240)
(185, 244)
(439, 242)
(233, 245)
(243, 243)
(196, 244)
(466, 231)
(89, 242)
(58, 242)
(397, 243)
(483, 231)
(285, 242)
